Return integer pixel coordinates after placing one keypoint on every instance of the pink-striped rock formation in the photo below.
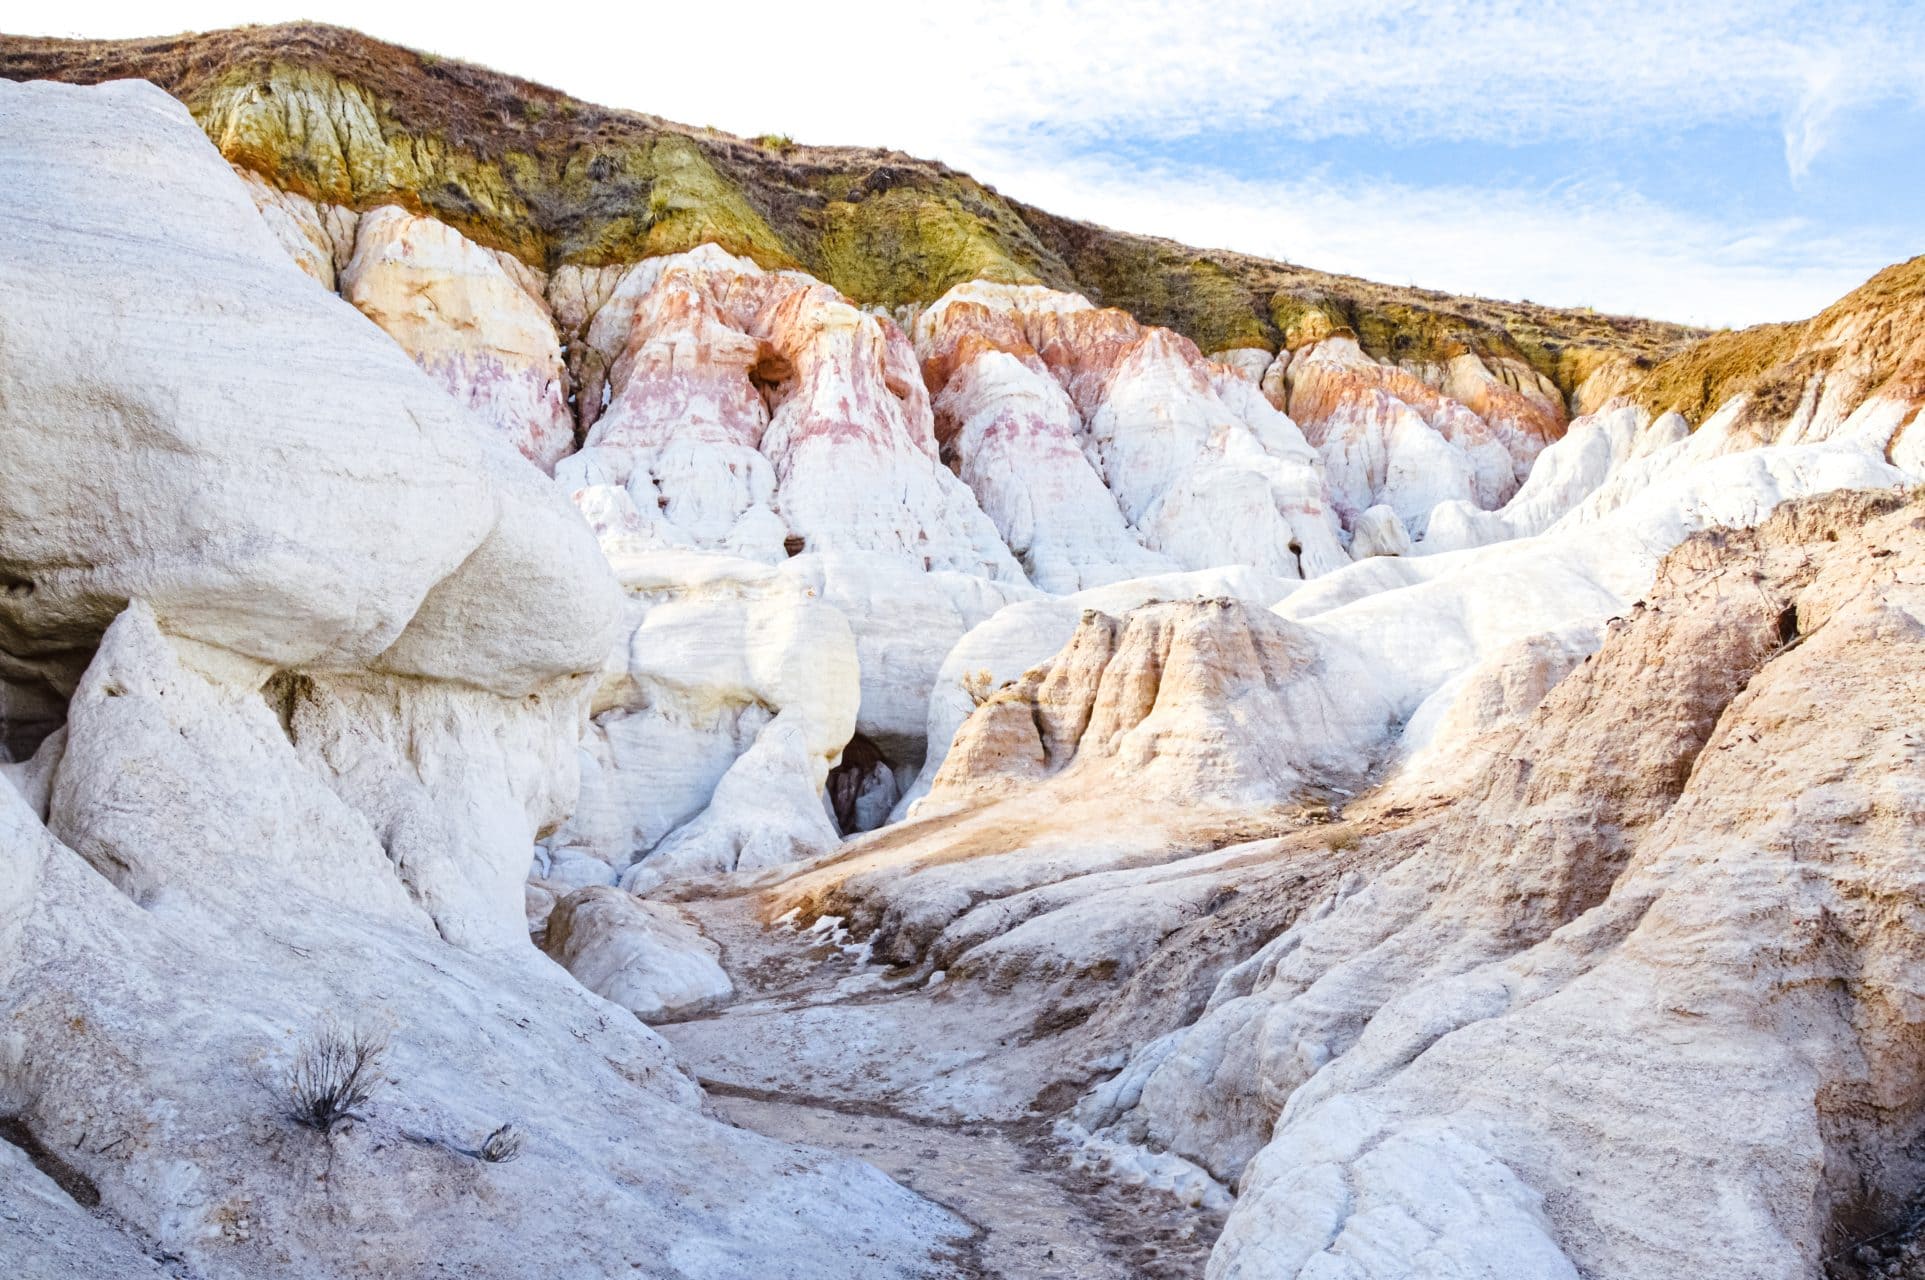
(475, 320)
(1201, 471)
(1389, 438)
(799, 405)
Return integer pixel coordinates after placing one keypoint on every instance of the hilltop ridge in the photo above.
(338, 116)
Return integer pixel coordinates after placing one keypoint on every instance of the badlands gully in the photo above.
(977, 787)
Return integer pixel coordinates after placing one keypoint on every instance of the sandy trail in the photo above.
(820, 1049)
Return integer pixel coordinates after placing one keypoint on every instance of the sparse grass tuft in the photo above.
(501, 1146)
(980, 685)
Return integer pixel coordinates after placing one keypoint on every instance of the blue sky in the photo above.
(1718, 164)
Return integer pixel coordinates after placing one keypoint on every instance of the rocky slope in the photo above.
(1428, 787)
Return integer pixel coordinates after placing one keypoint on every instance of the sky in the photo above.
(1716, 164)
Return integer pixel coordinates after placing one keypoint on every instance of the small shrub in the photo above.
(334, 1074)
(501, 1146)
(775, 141)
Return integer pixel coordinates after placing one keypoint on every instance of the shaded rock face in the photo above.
(862, 788)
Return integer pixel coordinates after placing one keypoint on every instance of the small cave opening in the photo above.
(773, 377)
(31, 710)
(862, 789)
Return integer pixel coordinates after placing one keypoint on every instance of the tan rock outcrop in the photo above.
(1164, 699)
(474, 320)
(1562, 1032)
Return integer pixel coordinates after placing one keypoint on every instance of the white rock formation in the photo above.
(1202, 469)
(716, 722)
(1379, 531)
(1016, 434)
(328, 644)
(1389, 438)
(746, 407)
(642, 955)
(1568, 471)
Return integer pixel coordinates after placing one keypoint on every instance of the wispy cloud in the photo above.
(1492, 70)
(916, 75)
(1578, 244)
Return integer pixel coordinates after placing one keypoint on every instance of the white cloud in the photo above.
(869, 70)
(1579, 245)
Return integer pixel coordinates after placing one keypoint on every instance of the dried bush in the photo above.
(501, 1146)
(334, 1074)
(979, 685)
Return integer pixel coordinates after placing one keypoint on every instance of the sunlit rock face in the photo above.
(1389, 438)
(1201, 470)
(745, 409)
